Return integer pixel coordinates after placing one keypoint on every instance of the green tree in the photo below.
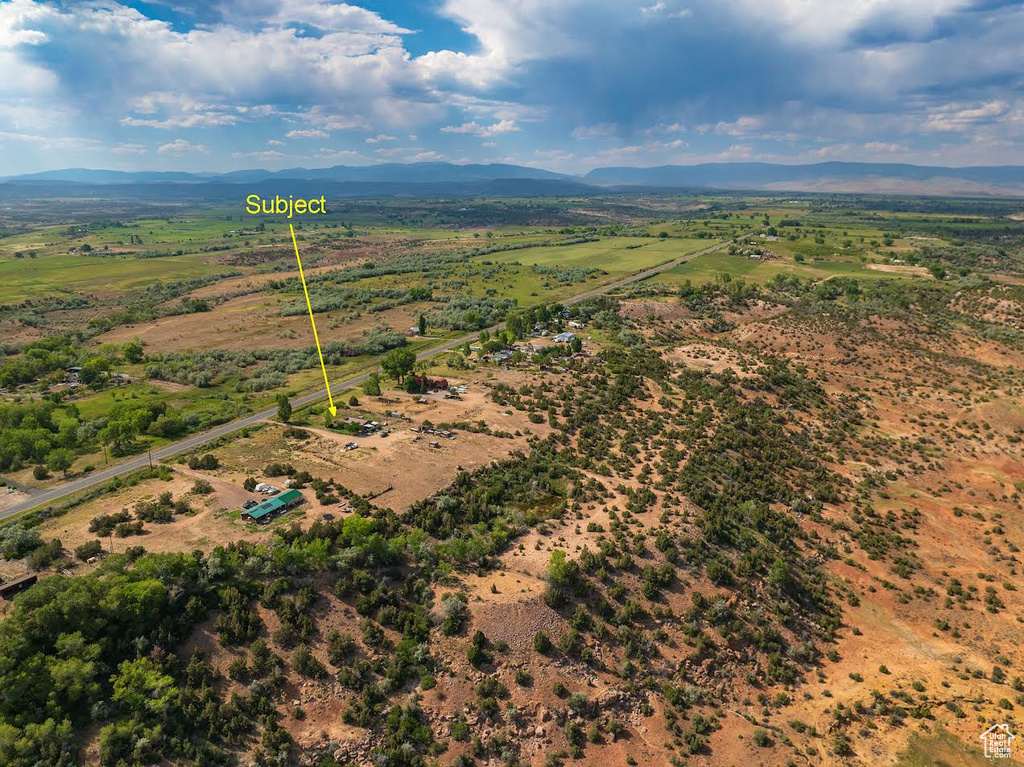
(60, 459)
(92, 369)
(371, 386)
(422, 324)
(133, 351)
(119, 434)
(398, 363)
(141, 687)
(284, 408)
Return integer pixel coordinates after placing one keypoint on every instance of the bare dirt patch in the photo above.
(252, 322)
(916, 271)
(211, 524)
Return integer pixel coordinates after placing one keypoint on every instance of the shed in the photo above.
(9, 589)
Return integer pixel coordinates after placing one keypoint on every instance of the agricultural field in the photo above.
(744, 510)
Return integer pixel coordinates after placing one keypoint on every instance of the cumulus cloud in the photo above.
(618, 78)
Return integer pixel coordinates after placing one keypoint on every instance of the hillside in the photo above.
(749, 524)
(847, 177)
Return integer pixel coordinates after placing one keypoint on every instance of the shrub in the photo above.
(202, 487)
(207, 462)
(278, 470)
(88, 550)
(305, 663)
(16, 541)
(453, 614)
(541, 643)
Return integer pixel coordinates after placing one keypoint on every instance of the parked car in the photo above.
(250, 503)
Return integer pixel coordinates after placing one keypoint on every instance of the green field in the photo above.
(613, 255)
(710, 267)
(27, 278)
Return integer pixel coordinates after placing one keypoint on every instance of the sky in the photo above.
(568, 85)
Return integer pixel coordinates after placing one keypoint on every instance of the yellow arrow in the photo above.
(333, 409)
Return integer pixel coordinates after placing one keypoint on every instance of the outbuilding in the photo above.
(9, 589)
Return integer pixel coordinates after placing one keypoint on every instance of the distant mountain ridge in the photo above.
(821, 177)
(431, 179)
(409, 173)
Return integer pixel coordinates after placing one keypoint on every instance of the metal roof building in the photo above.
(9, 589)
(270, 508)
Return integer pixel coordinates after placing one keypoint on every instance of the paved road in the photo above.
(41, 498)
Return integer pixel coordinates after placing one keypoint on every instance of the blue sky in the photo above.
(213, 85)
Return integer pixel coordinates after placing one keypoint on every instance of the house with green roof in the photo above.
(272, 508)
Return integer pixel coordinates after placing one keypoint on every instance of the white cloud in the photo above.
(181, 146)
(50, 143)
(130, 149)
(900, 78)
(883, 146)
(743, 126)
(328, 120)
(338, 154)
(476, 129)
(959, 117)
(307, 134)
(337, 17)
(266, 154)
(600, 130)
(207, 120)
(662, 10)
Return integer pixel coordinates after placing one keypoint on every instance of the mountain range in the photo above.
(447, 179)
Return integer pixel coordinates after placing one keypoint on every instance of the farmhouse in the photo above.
(564, 338)
(272, 508)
